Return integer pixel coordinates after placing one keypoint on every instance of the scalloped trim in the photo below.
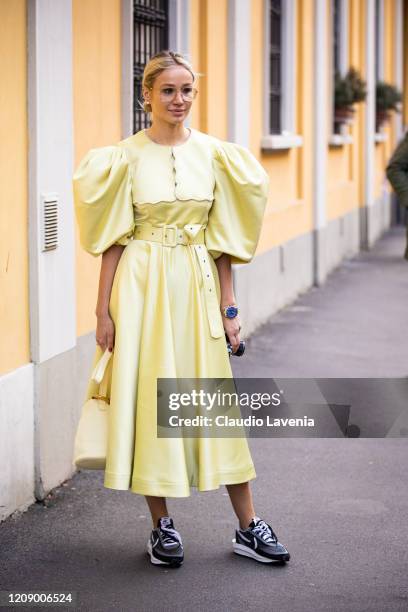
(175, 201)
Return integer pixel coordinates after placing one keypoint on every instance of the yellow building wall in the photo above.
(381, 147)
(14, 280)
(383, 150)
(389, 70)
(289, 211)
(209, 56)
(198, 108)
(342, 188)
(361, 108)
(97, 115)
(356, 59)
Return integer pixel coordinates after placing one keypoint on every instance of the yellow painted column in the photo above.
(97, 115)
(14, 302)
(209, 35)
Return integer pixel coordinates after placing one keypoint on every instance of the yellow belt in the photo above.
(192, 236)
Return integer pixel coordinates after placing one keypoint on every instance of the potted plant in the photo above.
(387, 99)
(348, 90)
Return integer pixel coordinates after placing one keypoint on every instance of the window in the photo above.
(339, 14)
(379, 33)
(379, 62)
(279, 75)
(336, 36)
(275, 71)
(150, 35)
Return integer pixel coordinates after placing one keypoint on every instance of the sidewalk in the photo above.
(339, 505)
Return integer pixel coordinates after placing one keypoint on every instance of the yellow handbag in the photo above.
(91, 437)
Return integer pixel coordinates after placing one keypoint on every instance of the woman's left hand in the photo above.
(232, 328)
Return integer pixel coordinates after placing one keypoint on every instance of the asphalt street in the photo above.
(340, 505)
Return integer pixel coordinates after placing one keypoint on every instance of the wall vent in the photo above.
(49, 221)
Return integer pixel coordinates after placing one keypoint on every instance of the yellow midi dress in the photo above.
(197, 200)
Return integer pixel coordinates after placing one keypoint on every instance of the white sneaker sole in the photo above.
(156, 561)
(240, 549)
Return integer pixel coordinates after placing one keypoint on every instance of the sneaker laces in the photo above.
(171, 536)
(265, 532)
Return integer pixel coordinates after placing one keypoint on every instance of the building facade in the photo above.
(71, 73)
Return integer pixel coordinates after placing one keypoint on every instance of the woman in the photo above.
(171, 208)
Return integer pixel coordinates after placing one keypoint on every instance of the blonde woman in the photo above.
(170, 208)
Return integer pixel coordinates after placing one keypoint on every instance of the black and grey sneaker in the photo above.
(260, 542)
(164, 545)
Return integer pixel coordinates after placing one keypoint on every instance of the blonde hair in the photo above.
(156, 65)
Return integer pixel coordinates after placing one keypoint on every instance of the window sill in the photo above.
(339, 140)
(281, 141)
(380, 137)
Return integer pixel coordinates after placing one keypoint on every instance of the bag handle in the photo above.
(98, 374)
(100, 367)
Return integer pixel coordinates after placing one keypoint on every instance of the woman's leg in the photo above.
(241, 499)
(157, 507)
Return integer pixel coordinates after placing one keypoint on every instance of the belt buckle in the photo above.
(166, 230)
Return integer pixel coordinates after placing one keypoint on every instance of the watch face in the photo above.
(231, 312)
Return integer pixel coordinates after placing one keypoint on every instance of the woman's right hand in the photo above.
(105, 332)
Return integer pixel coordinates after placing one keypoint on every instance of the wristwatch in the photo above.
(230, 311)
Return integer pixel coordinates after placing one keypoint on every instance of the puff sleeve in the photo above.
(240, 196)
(102, 192)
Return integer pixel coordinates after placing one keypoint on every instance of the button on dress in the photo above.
(165, 298)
